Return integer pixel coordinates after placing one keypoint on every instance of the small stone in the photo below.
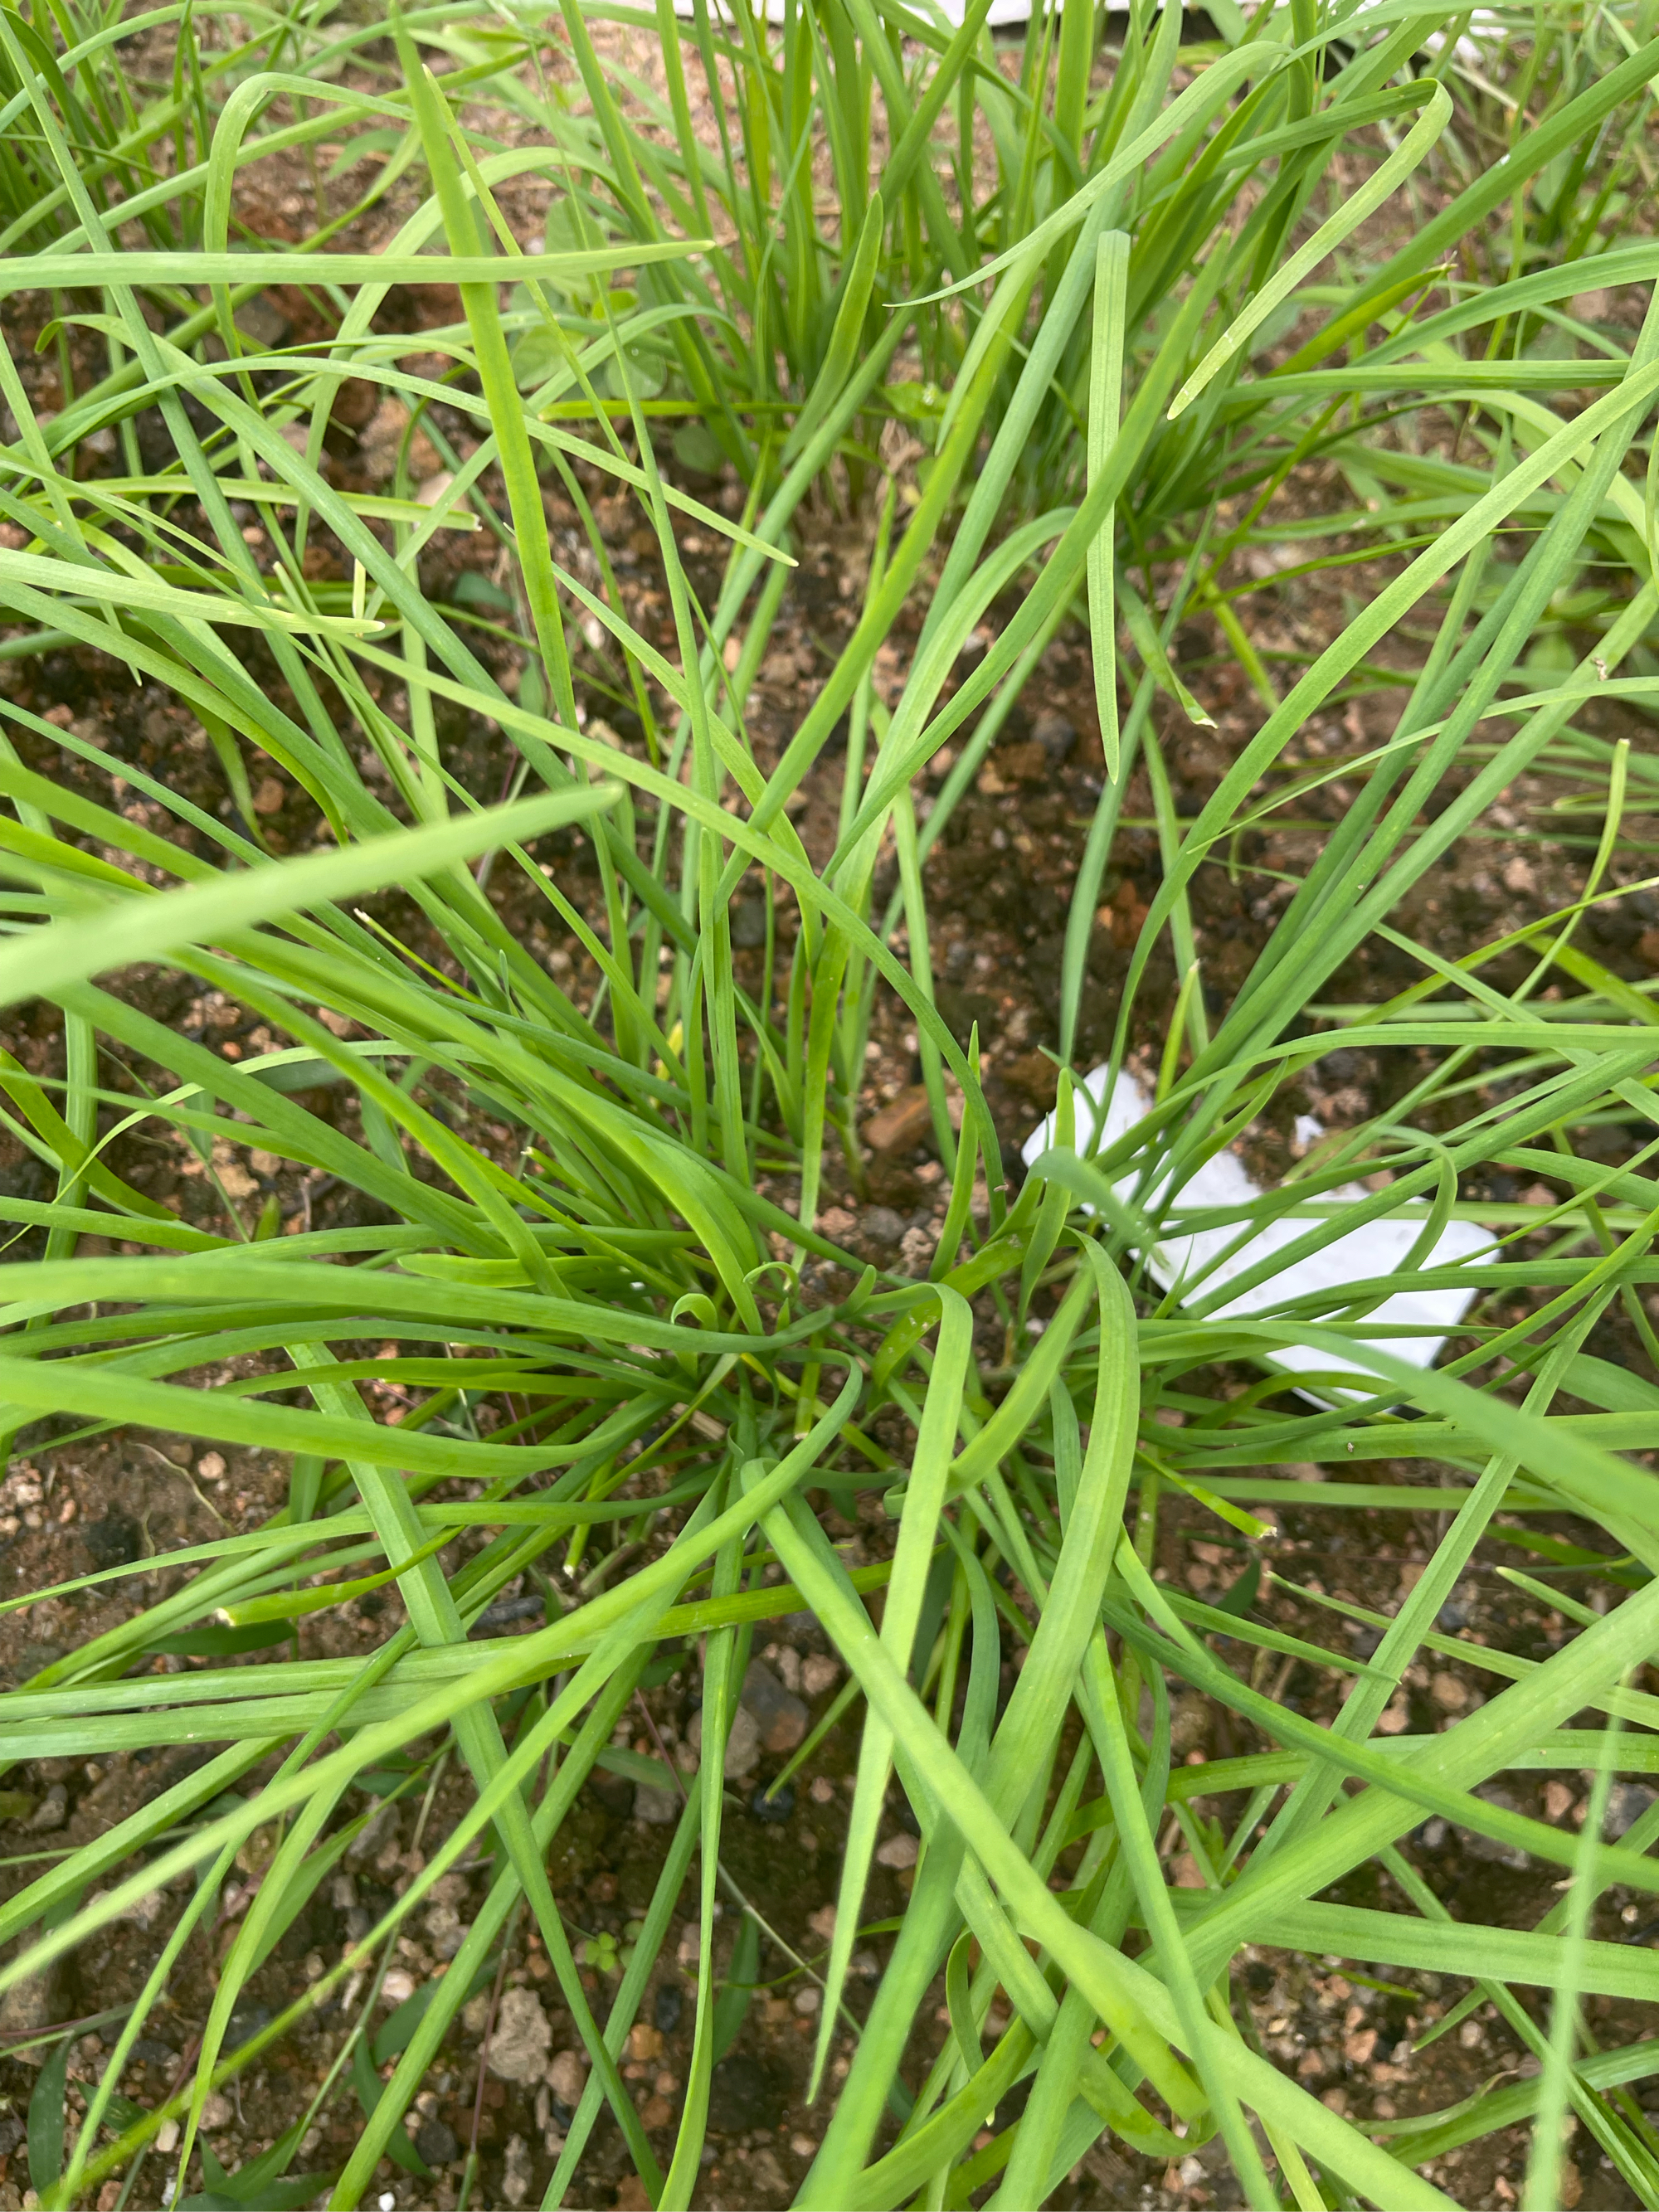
(644, 2042)
(268, 799)
(822, 1923)
(52, 1810)
(1055, 734)
(518, 2049)
(372, 1838)
(1626, 1803)
(30, 2004)
(900, 1850)
(1189, 1716)
(1449, 1693)
(1570, 2184)
(881, 1225)
(823, 1791)
(667, 2008)
(808, 2001)
(658, 1809)
(1558, 1800)
(656, 2112)
(742, 1743)
(436, 2143)
(167, 2137)
(518, 2172)
(218, 2112)
(445, 1933)
(802, 2146)
(767, 2176)
(1357, 2048)
(397, 1987)
(818, 1673)
(772, 1806)
(780, 1716)
(917, 1249)
(749, 924)
(247, 2021)
(211, 1466)
(902, 1125)
(567, 2077)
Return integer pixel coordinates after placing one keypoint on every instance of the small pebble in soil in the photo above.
(509, 1610)
(881, 1225)
(819, 1673)
(749, 924)
(780, 1716)
(518, 2049)
(436, 2143)
(566, 2079)
(247, 2020)
(776, 1808)
(1449, 1693)
(668, 2006)
(1055, 734)
(52, 1810)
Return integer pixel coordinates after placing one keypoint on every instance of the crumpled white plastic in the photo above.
(1373, 1250)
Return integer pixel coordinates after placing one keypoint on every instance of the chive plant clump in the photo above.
(514, 1054)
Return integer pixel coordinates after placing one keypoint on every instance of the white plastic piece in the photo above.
(1365, 1253)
